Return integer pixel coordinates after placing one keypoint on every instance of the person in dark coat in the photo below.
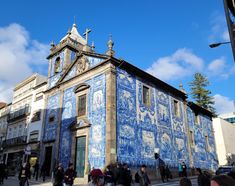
(69, 175)
(128, 176)
(120, 179)
(202, 179)
(108, 176)
(143, 176)
(43, 171)
(59, 175)
(2, 172)
(167, 173)
(184, 167)
(36, 169)
(24, 175)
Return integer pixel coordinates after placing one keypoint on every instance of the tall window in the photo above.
(82, 105)
(57, 65)
(36, 116)
(191, 138)
(207, 143)
(176, 108)
(146, 96)
(197, 119)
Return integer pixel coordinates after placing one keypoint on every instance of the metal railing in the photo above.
(15, 141)
(21, 112)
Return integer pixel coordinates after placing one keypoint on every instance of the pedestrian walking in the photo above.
(184, 168)
(59, 175)
(97, 178)
(24, 175)
(108, 176)
(185, 182)
(162, 169)
(43, 171)
(222, 180)
(141, 176)
(120, 179)
(69, 175)
(2, 172)
(128, 176)
(167, 173)
(180, 169)
(202, 179)
(36, 170)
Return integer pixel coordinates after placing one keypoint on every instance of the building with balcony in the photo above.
(4, 111)
(19, 119)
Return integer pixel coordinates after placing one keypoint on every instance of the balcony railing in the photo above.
(21, 112)
(15, 141)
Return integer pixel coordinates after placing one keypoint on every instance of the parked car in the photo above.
(224, 170)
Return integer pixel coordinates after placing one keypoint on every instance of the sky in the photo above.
(168, 39)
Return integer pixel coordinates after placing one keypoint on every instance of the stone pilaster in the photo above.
(186, 124)
(111, 151)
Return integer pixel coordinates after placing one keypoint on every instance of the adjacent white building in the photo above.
(25, 120)
(4, 111)
(230, 117)
(224, 138)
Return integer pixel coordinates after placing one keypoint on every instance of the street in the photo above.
(12, 181)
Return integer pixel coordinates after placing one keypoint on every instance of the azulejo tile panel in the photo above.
(53, 109)
(97, 117)
(141, 128)
(68, 117)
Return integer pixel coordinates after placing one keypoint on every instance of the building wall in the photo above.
(224, 138)
(142, 129)
(202, 157)
(37, 105)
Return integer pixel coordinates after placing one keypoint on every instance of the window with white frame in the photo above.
(176, 108)
(82, 105)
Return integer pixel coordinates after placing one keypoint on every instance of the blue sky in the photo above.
(166, 38)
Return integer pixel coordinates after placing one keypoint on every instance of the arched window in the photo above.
(57, 65)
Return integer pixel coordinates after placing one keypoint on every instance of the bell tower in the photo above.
(64, 53)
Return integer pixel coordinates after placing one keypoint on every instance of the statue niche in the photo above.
(82, 65)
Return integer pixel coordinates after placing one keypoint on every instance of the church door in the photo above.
(80, 156)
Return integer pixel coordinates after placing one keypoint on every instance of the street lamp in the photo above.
(213, 45)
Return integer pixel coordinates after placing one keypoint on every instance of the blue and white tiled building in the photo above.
(100, 109)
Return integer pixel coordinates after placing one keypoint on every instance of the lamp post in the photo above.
(213, 45)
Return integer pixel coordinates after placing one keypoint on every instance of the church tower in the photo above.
(64, 53)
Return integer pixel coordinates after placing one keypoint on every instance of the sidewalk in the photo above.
(48, 181)
(32, 181)
(153, 182)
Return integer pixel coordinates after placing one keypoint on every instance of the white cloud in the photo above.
(223, 104)
(20, 56)
(225, 36)
(180, 64)
(219, 30)
(216, 66)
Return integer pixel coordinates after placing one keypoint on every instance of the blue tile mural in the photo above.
(96, 116)
(141, 128)
(52, 111)
(92, 61)
(202, 157)
(68, 117)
